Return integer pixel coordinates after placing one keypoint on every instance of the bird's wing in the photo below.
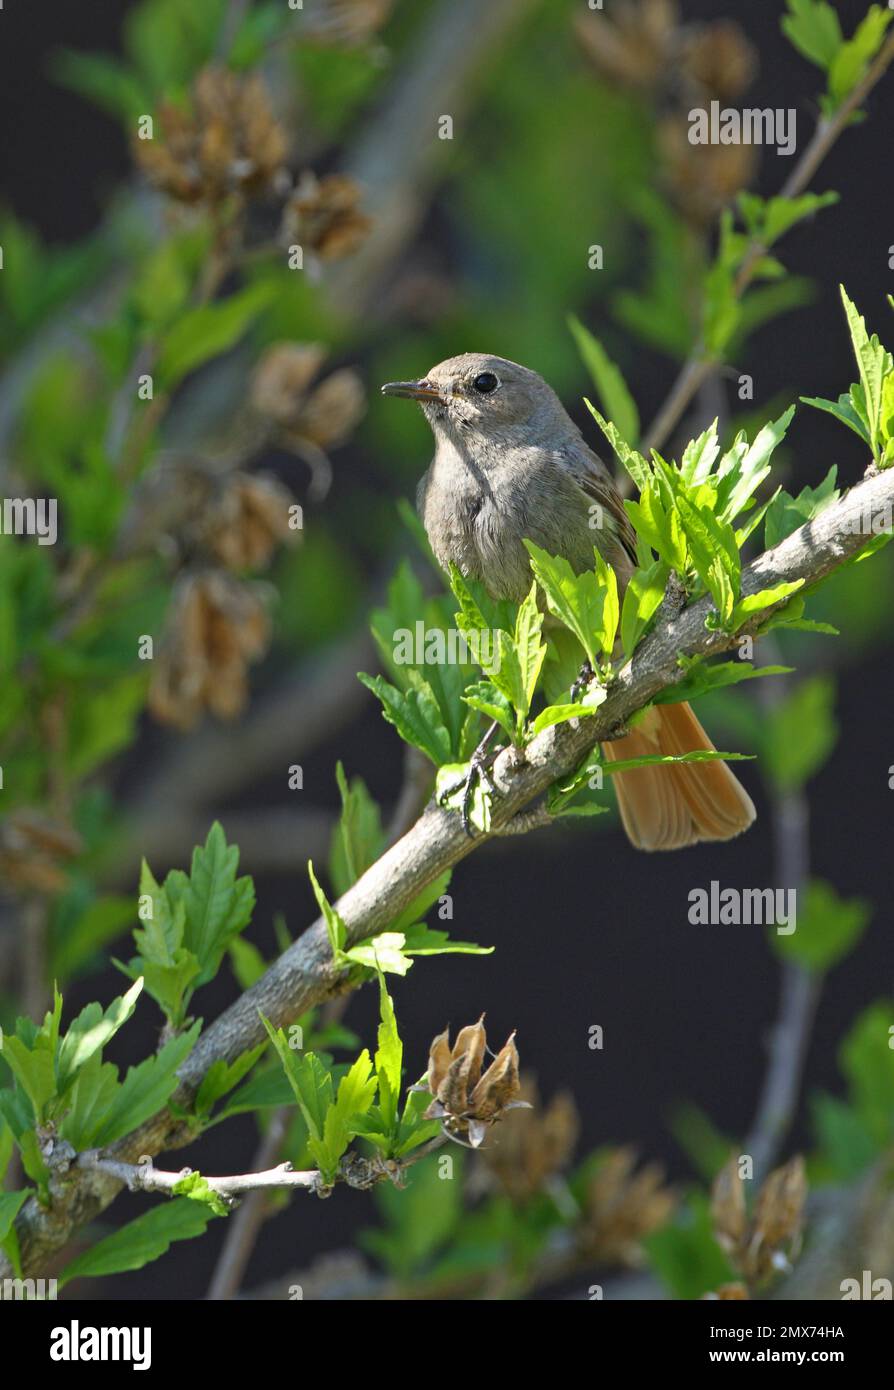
(595, 481)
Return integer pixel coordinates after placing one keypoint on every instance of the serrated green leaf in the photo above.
(146, 1089)
(874, 363)
(827, 928)
(616, 399)
(800, 732)
(141, 1241)
(633, 461)
(812, 26)
(335, 927)
(415, 715)
(90, 1032)
(388, 1059)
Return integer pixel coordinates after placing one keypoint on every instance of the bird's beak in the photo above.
(412, 390)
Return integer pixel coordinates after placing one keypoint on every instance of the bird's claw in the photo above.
(585, 675)
(478, 770)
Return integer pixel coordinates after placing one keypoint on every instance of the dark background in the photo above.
(587, 930)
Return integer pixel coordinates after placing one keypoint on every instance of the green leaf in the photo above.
(874, 363)
(415, 715)
(90, 1032)
(268, 1089)
(843, 410)
(854, 56)
(309, 1079)
(210, 330)
(190, 923)
(685, 1254)
(828, 927)
(101, 79)
(221, 1077)
(699, 456)
(765, 598)
(529, 648)
(614, 396)
(702, 677)
(425, 941)
(146, 1089)
(33, 1069)
(867, 1060)
(10, 1205)
(484, 697)
(88, 1102)
(385, 951)
(561, 714)
(768, 220)
(845, 1143)
(335, 927)
(812, 26)
(696, 755)
(584, 602)
(196, 1189)
(389, 1059)
(359, 839)
(642, 599)
(141, 1241)
(785, 514)
(800, 732)
(356, 1093)
(634, 462)
(740, 479)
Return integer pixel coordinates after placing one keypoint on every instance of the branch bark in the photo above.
(305, 975)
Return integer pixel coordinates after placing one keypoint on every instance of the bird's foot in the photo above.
(585, 675)
(478, 770)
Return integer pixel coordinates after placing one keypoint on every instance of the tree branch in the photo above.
(143, 1177)
(305, 974)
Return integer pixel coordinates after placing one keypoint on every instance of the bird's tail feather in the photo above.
(673, 805)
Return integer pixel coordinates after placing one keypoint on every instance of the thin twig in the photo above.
(700, 364)
(799, 988)
(143, 1177)
(245, 1226)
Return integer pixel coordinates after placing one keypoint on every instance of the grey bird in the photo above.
(509, 465)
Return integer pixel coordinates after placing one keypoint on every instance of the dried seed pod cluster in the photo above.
(33, 851)
(533, 1149)
(765, 1243)
(467, 1099)
(225, 142)
(216, 627)
(621, 1207)
(645, 46)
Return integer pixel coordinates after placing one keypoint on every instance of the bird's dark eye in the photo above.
(485, 382)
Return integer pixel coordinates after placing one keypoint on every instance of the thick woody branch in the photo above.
(305, 975)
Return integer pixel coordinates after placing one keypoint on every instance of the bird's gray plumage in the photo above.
(510, 465)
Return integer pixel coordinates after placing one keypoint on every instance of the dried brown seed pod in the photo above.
(216, 626)
(465, 1099)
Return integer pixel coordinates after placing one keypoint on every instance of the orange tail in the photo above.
(676, 805)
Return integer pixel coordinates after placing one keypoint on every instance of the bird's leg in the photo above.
(585, 675)
(478, 769)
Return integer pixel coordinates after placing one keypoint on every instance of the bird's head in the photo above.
(492, 398)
